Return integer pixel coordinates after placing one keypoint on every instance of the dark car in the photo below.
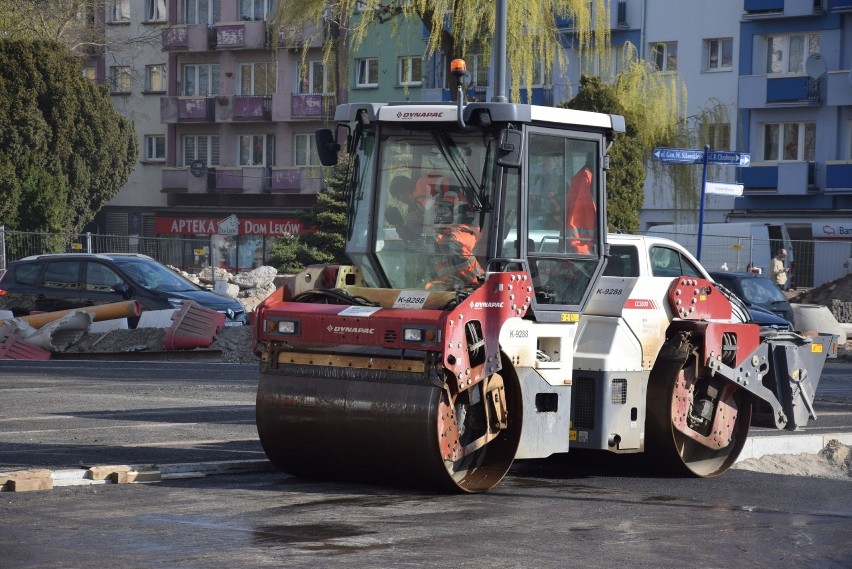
(47, 283)
(766, 303)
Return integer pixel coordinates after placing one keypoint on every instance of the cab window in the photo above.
(100, 278)
(666, 262)
(623, 261)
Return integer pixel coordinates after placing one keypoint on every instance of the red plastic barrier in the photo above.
(13, 348)
(193, 326)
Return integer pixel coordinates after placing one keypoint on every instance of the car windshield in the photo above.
(759, 290)
(154, 276)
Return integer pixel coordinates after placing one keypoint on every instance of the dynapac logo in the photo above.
(476, 305)
(350, 330)
(421, 115)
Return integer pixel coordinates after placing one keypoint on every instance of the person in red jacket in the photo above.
(581, 211)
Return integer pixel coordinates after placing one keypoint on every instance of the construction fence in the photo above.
(812, 262)
(188, 253)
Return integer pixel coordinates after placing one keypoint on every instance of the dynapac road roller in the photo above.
(475, 325)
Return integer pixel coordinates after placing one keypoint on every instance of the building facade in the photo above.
(225, 116)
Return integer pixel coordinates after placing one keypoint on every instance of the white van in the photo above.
(731, 246)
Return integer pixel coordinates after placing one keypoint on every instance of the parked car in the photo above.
(643, 255)
(762, 297)
(47, 283)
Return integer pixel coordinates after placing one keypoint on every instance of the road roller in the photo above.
(485, 317)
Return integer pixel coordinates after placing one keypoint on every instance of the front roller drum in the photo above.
(388, 427)
(696, 425)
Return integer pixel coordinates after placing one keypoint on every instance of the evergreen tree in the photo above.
(626, 175)
(64, 149)
(325, 240)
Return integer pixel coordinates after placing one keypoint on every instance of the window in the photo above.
(789, 141)
(367, 72)
(89, 72)
(201, 147)
(479, 71)
(257, 78)
(719, 136)
(788, 53)
(62, 274)
(410, 71)
(623, 261)
(155, 11)
(100, 278)
(200, 80)
(255, 9)
(118, 11)
(120, 79)
(256, 150)
(720, 54)
(315, 80)
(306, 150)
(155, 78)
(667, 262)
(538, 76)
(155, 147)
(201, 11)
(664, 55)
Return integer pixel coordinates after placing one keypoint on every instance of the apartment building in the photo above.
(226, 121)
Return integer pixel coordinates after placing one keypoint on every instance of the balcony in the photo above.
(187, 37)
(300, 180)
(792, 90)
(838, 176)
(223, 179)
(187, 109)
(755, 9)
(295, 38)
(838, 88)
(241, 35)
(782, 178)
(252, 107)
(175, 179)
(311, 106)
(760, 91)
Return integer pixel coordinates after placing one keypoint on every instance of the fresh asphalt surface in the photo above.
(581, 508)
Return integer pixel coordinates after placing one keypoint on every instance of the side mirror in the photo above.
(511, 147)
(122, 289)
(327, 147)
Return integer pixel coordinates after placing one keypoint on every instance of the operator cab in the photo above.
(436, 201)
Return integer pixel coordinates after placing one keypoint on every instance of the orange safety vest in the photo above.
(458, 265)
(582, 212)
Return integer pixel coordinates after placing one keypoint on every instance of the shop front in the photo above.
(233, 243)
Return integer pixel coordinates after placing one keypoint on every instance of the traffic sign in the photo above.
(696, 156)
(741, 159)
(724, 189)
(679, 155)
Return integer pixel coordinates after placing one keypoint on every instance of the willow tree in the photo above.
(456, 28)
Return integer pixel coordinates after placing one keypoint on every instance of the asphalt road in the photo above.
(578, 509)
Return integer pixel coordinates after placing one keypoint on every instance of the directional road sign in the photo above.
(741, 159)
(696, 156)
(679, 155)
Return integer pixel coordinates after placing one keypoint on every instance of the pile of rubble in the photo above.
(249, 288)
(836, 295)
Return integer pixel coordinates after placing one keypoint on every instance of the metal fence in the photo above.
(813, 263)
(188, 254)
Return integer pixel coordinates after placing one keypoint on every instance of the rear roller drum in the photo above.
(695, 426)
(388, 427)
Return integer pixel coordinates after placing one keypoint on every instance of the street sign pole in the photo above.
(701, 203)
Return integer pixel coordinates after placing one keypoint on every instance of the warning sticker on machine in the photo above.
(411, 299)
(359, 310)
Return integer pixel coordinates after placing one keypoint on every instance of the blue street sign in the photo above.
(702, 156)
(679, 155)
(729, 158)
(696, 156)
